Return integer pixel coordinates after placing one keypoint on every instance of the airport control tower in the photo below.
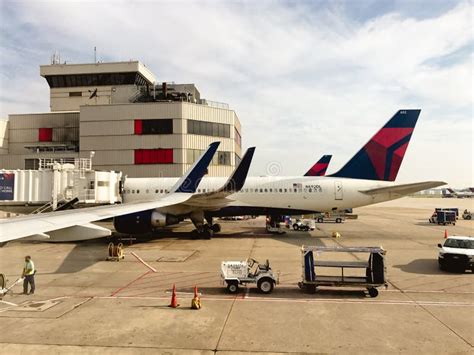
(76, 85)
(118, 113)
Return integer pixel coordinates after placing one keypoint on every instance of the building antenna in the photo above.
(95, 54)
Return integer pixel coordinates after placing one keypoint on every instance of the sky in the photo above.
(306, 78)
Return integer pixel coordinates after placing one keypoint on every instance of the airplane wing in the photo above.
(404, 189)
(40, 224)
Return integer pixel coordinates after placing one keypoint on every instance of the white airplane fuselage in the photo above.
(294, 193)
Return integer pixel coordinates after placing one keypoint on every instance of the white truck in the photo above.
(456, 254)
(330, 217)
(236, 273)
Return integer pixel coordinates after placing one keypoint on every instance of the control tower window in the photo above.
(75, 93)
(158, 126)
(109, 79)
(209, 128)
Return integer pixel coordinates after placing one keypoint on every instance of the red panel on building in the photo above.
(138, 126)
(154, 156)
(45, 135)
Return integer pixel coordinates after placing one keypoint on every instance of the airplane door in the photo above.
(338, 190)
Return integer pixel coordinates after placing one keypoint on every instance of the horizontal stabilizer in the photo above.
(405, 189)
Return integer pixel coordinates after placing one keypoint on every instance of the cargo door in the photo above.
(338, 190)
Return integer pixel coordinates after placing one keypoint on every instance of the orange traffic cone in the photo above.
(196, 301)
(445, 233)
(174, 299)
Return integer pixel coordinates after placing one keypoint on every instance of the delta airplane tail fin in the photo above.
(381, 157)
(319, 169)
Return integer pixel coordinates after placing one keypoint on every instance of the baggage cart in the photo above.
(313, 277)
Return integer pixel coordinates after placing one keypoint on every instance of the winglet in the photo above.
(237, 180)
(319, 169)
(190, 181)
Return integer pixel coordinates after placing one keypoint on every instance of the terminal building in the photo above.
(115, 117)
(117, 114)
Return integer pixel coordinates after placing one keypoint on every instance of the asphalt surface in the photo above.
(85, 304)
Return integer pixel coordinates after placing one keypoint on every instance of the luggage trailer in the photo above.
(374, 269)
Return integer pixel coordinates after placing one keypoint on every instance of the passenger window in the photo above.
(161, 191)
(266, 190)
(261, 190)
(286, 190)
(156, 191)
(133, 191)
(280, 190)
(138, 191)
(295, 190)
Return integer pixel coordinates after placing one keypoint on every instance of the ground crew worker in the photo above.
(29, 275)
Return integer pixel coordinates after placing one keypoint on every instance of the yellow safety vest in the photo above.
(29, 268)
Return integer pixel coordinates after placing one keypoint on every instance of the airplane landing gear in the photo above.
(203, 233)
(216, 228)
(203, 230)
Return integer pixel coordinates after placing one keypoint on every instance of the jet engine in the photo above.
(143, 222)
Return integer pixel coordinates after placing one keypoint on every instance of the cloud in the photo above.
(312, 79)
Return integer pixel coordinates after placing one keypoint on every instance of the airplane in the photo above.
(150, 203)
(446, 194)
(366, 179)
(464, 193)
(75, 225)
(319, 169)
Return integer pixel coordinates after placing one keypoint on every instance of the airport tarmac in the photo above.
(85, 304)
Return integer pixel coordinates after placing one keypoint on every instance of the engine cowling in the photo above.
(143, 222)
(162, 220)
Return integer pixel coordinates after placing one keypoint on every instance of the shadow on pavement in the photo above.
(421, 266)
(83, 255)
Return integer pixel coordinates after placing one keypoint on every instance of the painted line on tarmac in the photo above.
(130, 283)
(432, 291)
(288, 300)
(143, 262)
(312, 300)
(335, 300)
(7, 309)
(9, 303)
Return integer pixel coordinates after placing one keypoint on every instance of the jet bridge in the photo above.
(58, 183)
